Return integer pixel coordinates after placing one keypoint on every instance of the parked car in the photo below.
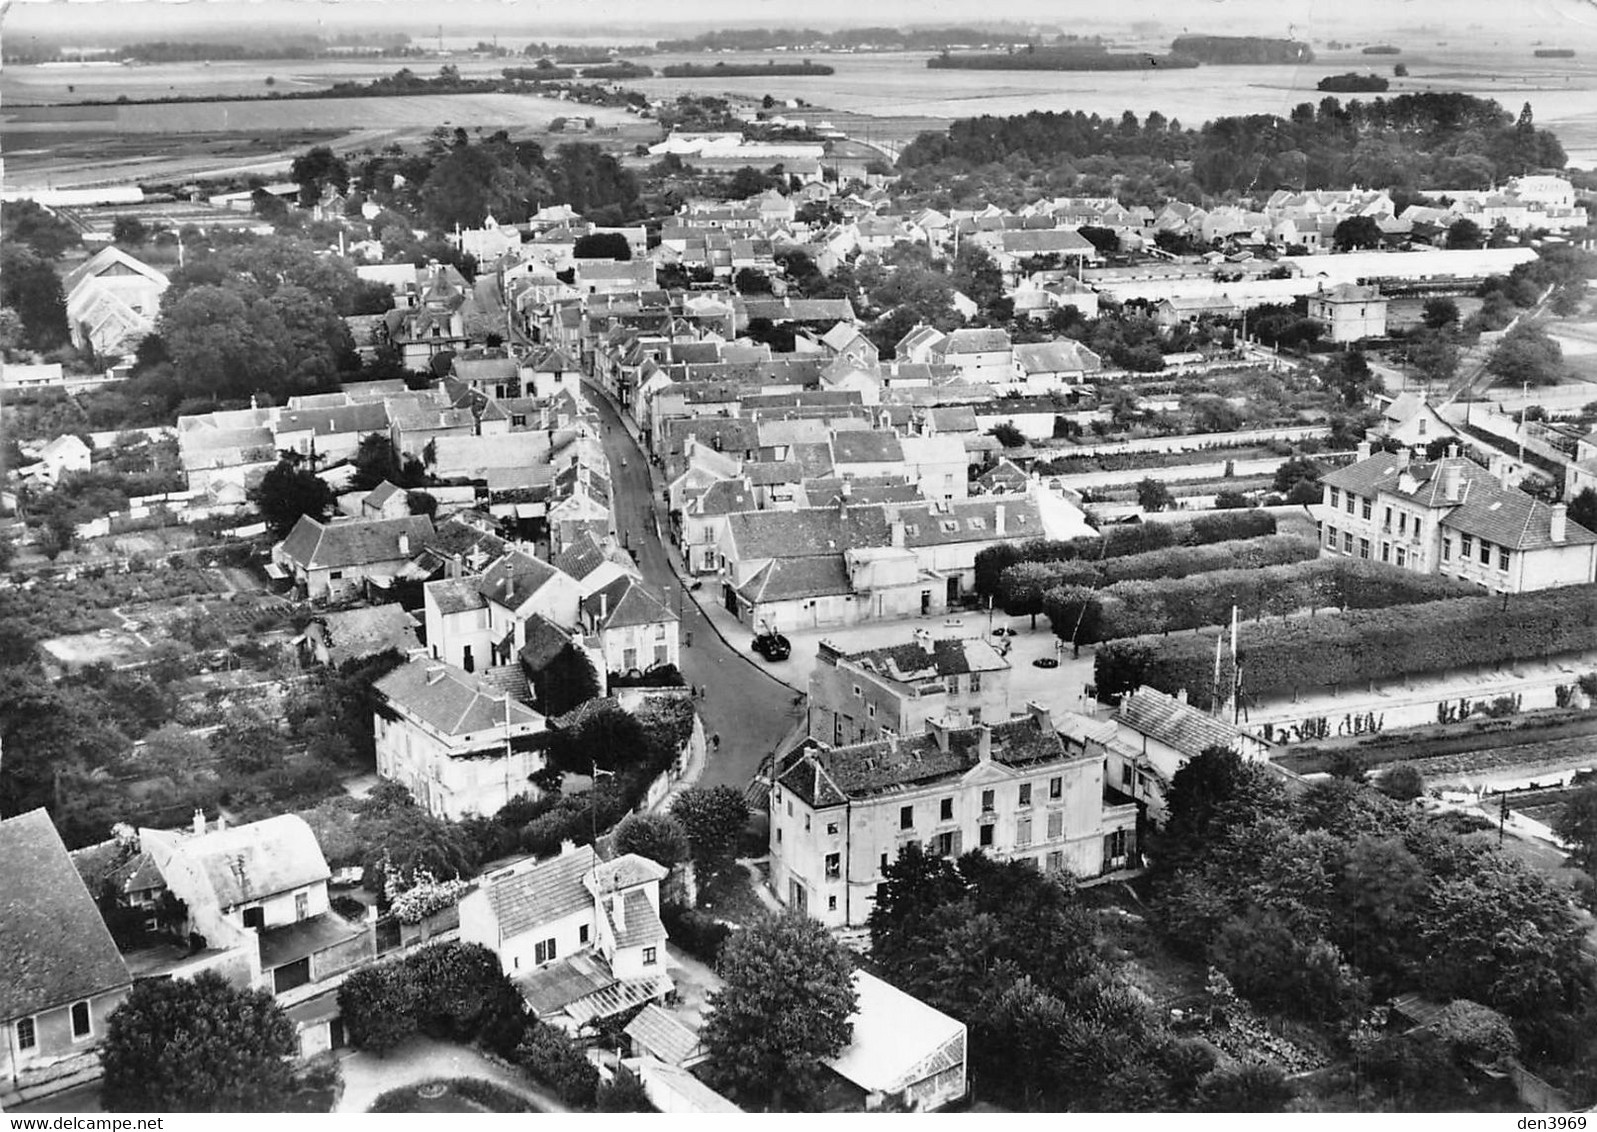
(773, 646)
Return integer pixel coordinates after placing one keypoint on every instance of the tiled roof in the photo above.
(769, 472)
(456, 595)
(545, 640)
(363, 632)
(1175, 724)
(830, 492)
(450, 699)
(541, 893)
(1042, 242)
(627, 602)
(581, 557)
(953, 418)
(251, 862)
(54, 946)
(515, 578)
(662, 1035)
(1055, 357)
(1486, 509)
(354, 542)
(841, 773)
(970, 520)
(640, 924)
(625, 871)
(861, 447)
(287, 943)
(974, 341)
(789, 579)
(911, 662)
(809, 531)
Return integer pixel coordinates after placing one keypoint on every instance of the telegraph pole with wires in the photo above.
(593, 803)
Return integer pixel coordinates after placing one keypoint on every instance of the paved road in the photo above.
(748, 709)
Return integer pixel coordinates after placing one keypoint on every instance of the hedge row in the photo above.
(1135, 608)
(1021, 587)
(1120, 541)
(1358, 646)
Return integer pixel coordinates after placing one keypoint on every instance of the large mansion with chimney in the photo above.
(1452, 517)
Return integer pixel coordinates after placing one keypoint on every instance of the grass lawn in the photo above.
(728, 894)
(459, 1094)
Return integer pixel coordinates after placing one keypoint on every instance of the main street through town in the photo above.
(751, 711)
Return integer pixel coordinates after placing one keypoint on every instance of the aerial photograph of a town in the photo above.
(728, 556)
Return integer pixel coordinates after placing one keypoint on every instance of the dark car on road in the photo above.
(773, 646)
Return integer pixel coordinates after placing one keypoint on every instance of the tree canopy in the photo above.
(784, 1008)
(197, 1045)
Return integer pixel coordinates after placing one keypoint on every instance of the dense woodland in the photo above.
(1405, 142)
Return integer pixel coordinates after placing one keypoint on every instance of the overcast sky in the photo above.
(1303, 18)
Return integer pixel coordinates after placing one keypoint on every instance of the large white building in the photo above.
(460, 747)
(1452, 517)
(1017, 790)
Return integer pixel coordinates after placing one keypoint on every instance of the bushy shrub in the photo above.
(559, 1063)
(698, 933)
(1133, 608)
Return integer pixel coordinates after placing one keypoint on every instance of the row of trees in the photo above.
(1357, 646)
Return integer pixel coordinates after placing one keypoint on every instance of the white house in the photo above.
(460, 747)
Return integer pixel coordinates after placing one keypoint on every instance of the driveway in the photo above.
(748, 709)
(367, 1076)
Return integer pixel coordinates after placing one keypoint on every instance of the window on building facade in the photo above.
(883, 867)
(944, 844)
(1364, 548)
(1025, 793)
(651, 956)
(906, 817)
(302, 905)
(806, 823)
(1447, 550)
(986, 836)
(1502, 558)
(975, 681)
(831, 829)
(1330, 538)
(1366, 508)
(945, 810)
(1351, 499)
(987, 798)
(1466, 545)
(82, 1021)
(27, 1036)
(831, 903)
(1486, 553)
(1347, 541)
(1056, 788)
(1402, 523)
(582, 933)
(1023, 832)
(1386, 552)
(834, 866)
(1335, 497)
(975, 715)
(1402, 557)
(1056, 861)
(870, 711)
(1056, 825)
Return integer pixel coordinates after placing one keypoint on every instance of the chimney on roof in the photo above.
(1558, 522)
(604, 607)
(897, 529)
(199, 821)
(1181, 695)
(998, 519)
(404, 545)
(567, 847)
(984, 744)
(435, 673)
(618, 912)
(923, 638)
(1043, 716)
(939, 731)
(1452, 481)
(1364, 450)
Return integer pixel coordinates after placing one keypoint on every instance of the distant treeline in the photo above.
(1383, 49)
(850, 39)
(1555, 53)
(1409, 141)
(1237, 49)
(291, 47)
(1054, 59)
(1353, 83)
(743, 70)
